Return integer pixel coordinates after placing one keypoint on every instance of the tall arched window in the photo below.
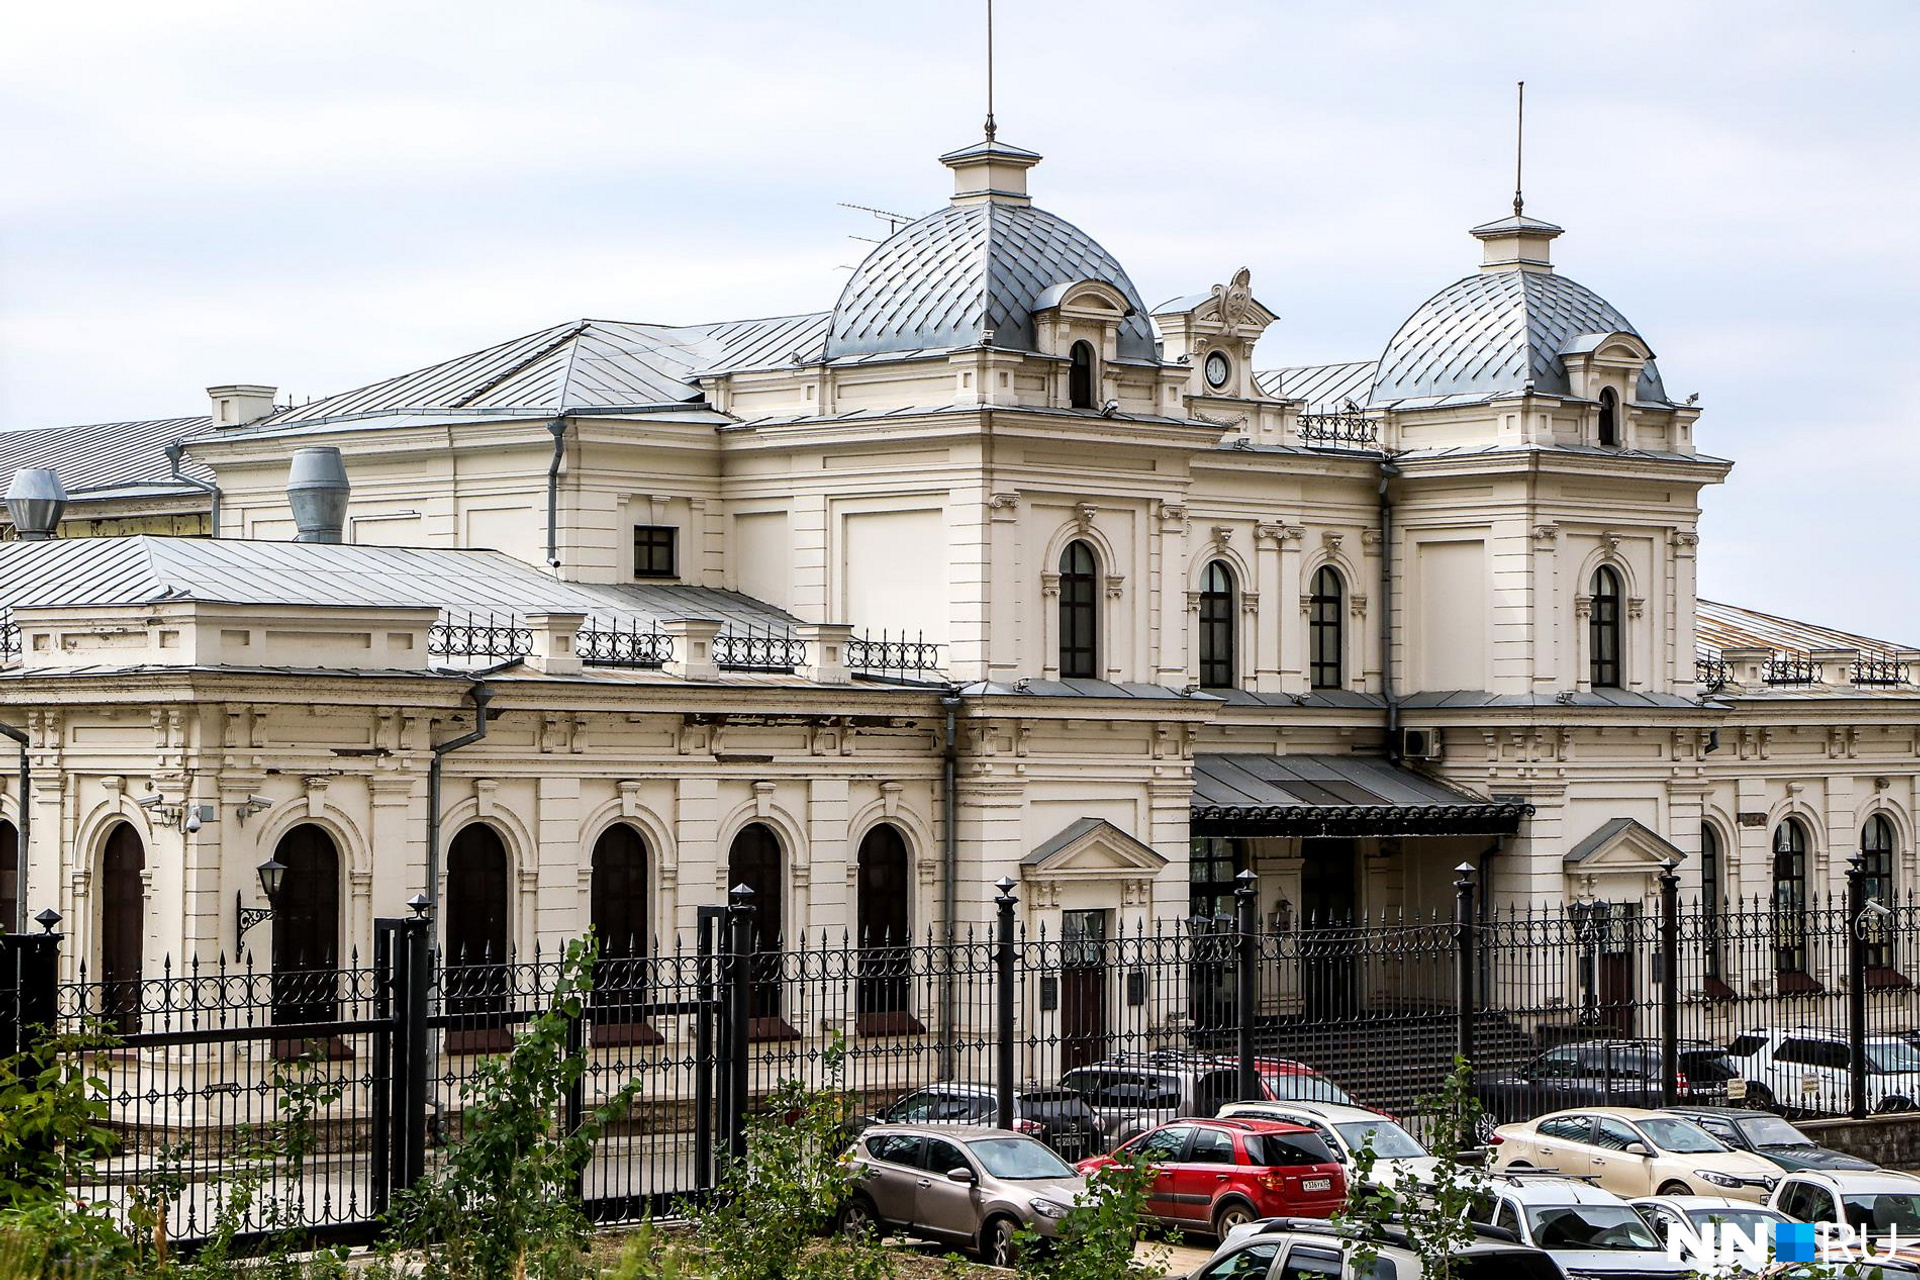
(1876, 855)
(1710, 895)
(1603, 630)
(123, 926)
(1216, 627)
(1609, 417)
(755, 861)
(306, 927)
(1079, 613)
(1790, 897)
(617, 903)
(475, 976)
(1325, 638)
(885, 931)
(10, 878)
(1080, 376)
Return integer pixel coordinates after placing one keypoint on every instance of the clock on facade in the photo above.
(1219, 369)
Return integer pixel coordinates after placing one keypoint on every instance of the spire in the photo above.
(1519, 142)
(1517, 243)
(990, 126)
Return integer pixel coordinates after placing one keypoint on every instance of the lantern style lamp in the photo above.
(273, 874)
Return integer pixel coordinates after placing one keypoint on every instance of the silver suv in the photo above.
(1308, 1247)
(1131, 1096)
(959, 1184)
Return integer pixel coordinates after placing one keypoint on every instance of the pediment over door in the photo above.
(1622, 846)
(1092, 849)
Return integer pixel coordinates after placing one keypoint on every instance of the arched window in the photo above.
(1710, 895)
(1790, 897)
(1325, 639)
(1876, 855)
(123, 927)
(755, 861)
(1609, 417)
(617, 905)
(475, 976)
(306, 927)
(1216, 627)
(1080, 376)
(1079, 613)
(10, 879)
(1603, 630)
(885, 932)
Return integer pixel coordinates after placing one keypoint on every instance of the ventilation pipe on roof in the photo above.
(35, 500)
(207, 487)
(239, 403)
(317, 491)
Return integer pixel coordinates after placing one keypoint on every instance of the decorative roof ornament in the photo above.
(1233, 300)
(990, 125)
(1519, 137)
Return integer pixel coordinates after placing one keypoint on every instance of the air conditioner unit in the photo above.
(1420, 744)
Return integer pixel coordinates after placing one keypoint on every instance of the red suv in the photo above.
(1217, 1174)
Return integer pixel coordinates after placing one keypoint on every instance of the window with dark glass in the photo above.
(306, 927)
(1790, 897)
(9, 877)
(1710, 896)
(123, 927)
(1079, 612)
(1216, 627)
(1080, 376)
(1876, 855)
(885, 930)
(755, 861)
(618, 907)
(654, 550)
(475, 976)
(1609, 417)
(1324, 629)
(1603, 630)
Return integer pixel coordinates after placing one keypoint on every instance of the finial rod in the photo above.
(1519, 146)
(989, 70)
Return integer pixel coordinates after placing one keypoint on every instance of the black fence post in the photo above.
(1857, 986)
(1463, 940)
(413, 982)
(1003, 1005)
(10, 953)
(739, 1009)
(1245, 993)
(1669, 984)
(380, 1085)
(704, 1062)
(37, 1003)
(575, 1106)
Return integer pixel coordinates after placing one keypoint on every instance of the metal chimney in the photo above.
(35, 500)
(317, 490)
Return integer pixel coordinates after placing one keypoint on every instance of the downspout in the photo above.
(1387, 472)
(481, 696)
(18, 925)
(949, 883)
(207, 487)
(559, 429)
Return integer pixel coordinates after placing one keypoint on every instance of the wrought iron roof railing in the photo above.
(893, 655)
(1344, 426)
(1711, 671)
(472, 635)
(1790, 668)
(1880, 669)
(749, 649)
(618, 646)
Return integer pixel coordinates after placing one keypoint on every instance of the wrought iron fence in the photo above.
(750, 649)
(617, 645)
(9, 636)
(472, 635)
(1349, 426)
(894, 655)
(1711, 671)
(1870, 669)
(1788, 667)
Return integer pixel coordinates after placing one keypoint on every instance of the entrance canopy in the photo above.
(1307, 795)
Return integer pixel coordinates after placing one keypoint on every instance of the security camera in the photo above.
(147, 802)
(1109, 409)
(193, 820)
(1878, 908)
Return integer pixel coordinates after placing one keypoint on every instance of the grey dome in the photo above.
(946, 279)
(1493, 332)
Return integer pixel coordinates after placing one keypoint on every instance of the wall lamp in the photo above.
(272, 874)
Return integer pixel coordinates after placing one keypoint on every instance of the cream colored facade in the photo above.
(934, 492)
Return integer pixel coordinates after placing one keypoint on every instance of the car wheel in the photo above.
(1889, 1105)
(1234, 1213)
(858, 1217)
(1675, 1189)
(1759, 1095)
(997, 1247)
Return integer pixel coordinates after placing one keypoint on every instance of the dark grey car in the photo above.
(1058, 1117)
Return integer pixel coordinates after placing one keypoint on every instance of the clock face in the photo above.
(1218, 370)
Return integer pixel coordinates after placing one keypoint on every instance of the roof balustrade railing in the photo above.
(894, 655)
(1349, 426)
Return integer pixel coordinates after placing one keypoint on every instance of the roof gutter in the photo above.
(24, 846)
(208, 487)
(480, 695)
(559, 429)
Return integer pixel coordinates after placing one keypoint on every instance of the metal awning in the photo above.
(1309, 795)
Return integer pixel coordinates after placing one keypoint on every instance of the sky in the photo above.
(318, 195)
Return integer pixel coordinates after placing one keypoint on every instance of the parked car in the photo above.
(1803, 1069)
(1632, 1152)
(1218, 1174)
(1398, 1155)
(1879, 1203)
(1623, 1073)
(1769, 1137)
(961, 1185)
(1276, 1079)
(1056, 1116)
(1685, 1218)
(1130, 1096)
(1589, 1231)
(1300, 1247)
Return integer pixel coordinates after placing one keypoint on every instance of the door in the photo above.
(475, 976)
(123, 927)
(1618, 1170)
(1163, 1149)
(892, 1175)
(1565, 1145)
(306, 927)
(617, 905)
(1618, 963)
(1212, 865)
(1083, 988)
(1205, 1174)
(1328, 898)
(755, 861)
(943, 1207)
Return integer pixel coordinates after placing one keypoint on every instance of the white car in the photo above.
(1397, 1154)
(1878, 1203)
(1633, 1152)
(1587, 1230)
(1684, 1218)
(1301, 1247)
(1803, 1069)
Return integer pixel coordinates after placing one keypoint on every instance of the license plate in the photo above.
(1316, 1184)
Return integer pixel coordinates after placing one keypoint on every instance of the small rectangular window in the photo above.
(653, 551)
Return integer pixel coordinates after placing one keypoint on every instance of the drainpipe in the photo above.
(18, 925)
(207, 487)
(949, 883)
(559, 429)
(1387, 472)
(481, 696)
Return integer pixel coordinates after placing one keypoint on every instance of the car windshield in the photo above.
(1890, 1211)
(1589, 1226)
(1748, 1222)
(1390, 1141)
(1772, 1131)
(1018, 1159)
(1298, 1086)
(1683, 1136)
(1885, 1057)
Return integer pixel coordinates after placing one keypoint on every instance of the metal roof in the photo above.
(1495, 331)
(105, 455)
(1324, 387)
(1336, 795)
(151, 570)
(1725, 626)
(946, 279)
